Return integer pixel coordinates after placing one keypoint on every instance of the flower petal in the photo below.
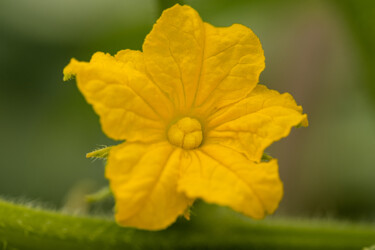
(143, 179)
(251, 125)
(233, 61)
(130, 106)
(223, 176)
(198, 64)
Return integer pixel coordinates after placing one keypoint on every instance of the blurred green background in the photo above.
(322, 52)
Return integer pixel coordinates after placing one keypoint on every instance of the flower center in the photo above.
(186, 133)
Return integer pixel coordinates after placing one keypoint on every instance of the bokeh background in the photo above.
(322, 52)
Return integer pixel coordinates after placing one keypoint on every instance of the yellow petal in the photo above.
(130, 105)
(223, 176)
(233, 61)
(198, 64)
(133, 58)
(251, 125)
(143, 178)
(173, 53)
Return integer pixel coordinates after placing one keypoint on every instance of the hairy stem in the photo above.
(23, 227)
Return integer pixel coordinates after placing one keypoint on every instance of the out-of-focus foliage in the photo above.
(360, 16)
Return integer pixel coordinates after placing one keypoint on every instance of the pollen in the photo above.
(186, 133)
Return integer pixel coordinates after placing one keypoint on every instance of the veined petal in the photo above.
(251, 125)
(143, 178)
(173, 53)
(220, 175)
(199, 65)
(130, 106)
(232, 63)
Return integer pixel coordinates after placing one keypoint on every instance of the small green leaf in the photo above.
(99, 153)
(266, 157)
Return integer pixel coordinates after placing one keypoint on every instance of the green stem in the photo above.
(100, 195)
(22, 227)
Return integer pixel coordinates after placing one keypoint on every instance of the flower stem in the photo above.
(23, 227)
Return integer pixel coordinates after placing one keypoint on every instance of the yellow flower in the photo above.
(194, 119)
